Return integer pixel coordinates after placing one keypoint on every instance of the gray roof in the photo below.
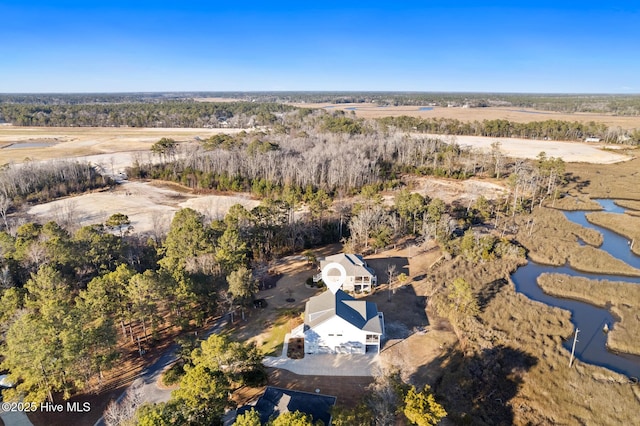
(360, 313)
(276, 401)
(354, 264)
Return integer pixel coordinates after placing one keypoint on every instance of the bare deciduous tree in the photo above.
(119, 413)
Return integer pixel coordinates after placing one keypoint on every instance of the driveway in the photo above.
(149, 377)
(354, 365)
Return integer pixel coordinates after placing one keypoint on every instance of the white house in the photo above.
(360, 277)
(338, 323)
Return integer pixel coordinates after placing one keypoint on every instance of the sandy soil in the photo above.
(518, 115)
(453, 191)
(148, 206)
(572, 152)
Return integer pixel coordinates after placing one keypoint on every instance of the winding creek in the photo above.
(591, 346)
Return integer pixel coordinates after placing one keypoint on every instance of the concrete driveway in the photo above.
(367, 365)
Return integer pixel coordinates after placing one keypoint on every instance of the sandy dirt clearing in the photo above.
(148, 206)
(452, 190)
(571, 152)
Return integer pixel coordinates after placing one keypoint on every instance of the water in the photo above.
(591, 346)
(22, 145)
(425, 109)
(614, 244)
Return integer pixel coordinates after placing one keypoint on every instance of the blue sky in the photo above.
(499, 46)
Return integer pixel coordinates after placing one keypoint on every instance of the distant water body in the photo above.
(23, 145)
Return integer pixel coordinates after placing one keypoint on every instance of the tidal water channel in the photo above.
(590, 320)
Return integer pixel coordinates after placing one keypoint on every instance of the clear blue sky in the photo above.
(504, 46)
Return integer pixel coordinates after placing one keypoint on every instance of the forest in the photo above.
(544, 130)
(616, 104)
(141, 114)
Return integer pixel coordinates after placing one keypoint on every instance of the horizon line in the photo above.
(324, 91)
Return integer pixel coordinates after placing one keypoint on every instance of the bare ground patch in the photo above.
(457, 191)
(572, 152)
(150, 207)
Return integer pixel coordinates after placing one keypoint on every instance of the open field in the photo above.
(623, 224)
(518, 115)
(150, 206)
(619, 297)
(571, 152)
(81, 141)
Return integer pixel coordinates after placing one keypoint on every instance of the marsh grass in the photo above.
(629, 204)
(619, 181)
(521, 340)
(579, 202)
(623, 224)
(553, 238)
(591, 259)
(619, 297)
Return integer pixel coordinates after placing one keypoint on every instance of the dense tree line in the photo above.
(156, 114)
(39, 182)
(548, 129)
(310, 161)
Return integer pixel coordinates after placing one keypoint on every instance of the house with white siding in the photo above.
(360, 277)
(338, 323)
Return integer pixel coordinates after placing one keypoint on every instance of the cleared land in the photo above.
(518, 115)
(120, 145)
(149, 206)
(623, 224)
(82, 141)
(619, 297)
(456, 191)
(572, 152)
